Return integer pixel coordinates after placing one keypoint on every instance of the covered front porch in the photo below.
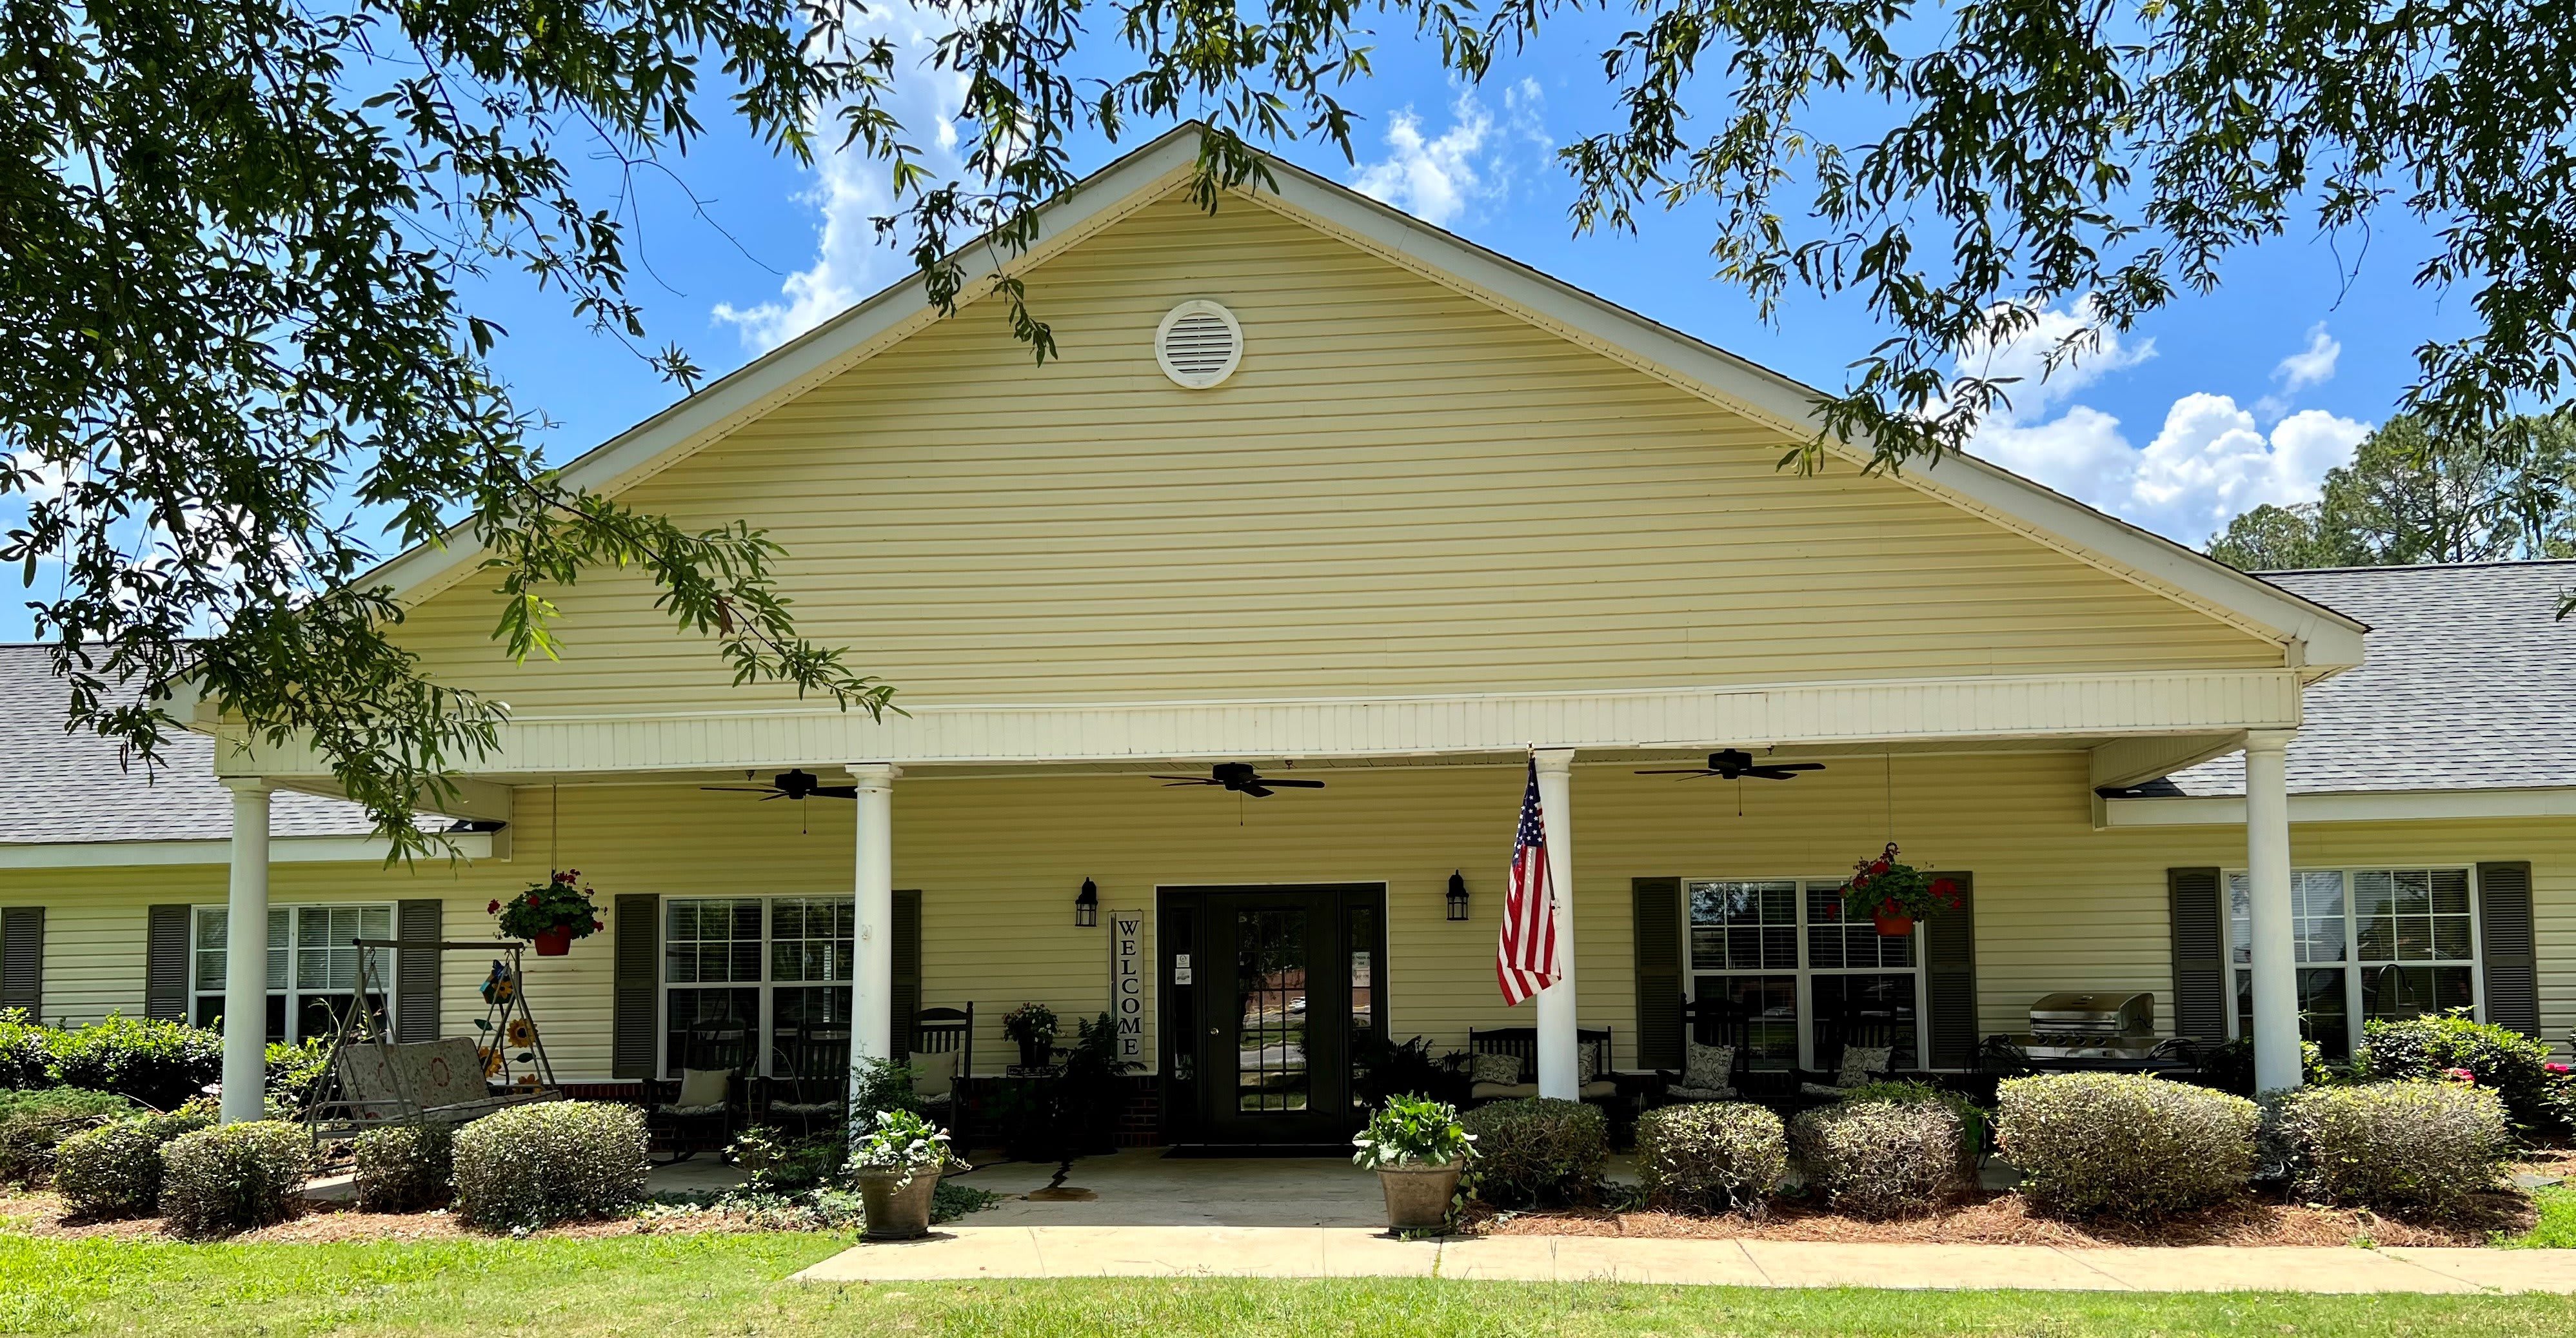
(1251, 952)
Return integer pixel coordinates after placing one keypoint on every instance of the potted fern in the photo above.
(1419, 1151)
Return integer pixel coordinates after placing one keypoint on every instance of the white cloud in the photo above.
(2311, 366)
(2211, 461)
(1436, 178)
(851, 191)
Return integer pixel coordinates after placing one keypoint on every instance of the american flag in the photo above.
(1525, 961)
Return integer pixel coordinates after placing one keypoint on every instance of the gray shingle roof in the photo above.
(58, 787)
(2468, 685)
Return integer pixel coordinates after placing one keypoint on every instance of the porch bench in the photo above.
(1521, 1044)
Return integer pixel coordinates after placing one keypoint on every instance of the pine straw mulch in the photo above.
(1989, 1217)
(41, 1214)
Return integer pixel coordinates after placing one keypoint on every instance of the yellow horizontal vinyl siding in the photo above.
(1401, 490)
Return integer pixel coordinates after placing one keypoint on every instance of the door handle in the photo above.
(1216, 1031)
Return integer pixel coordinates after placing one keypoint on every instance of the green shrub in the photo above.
(1538, 1152)
(215, 1182)
(292, 1072)
(2514, 1066)
(2230, 1067)
(114, 1170)
(404, 1168)
(160, 1064)
(1882, 1158)
(1973, 1118)
(26, 1052)
(2114, 1143)
(2424, 1146)
(774, 1163)
(34, 1123)
(1710, 1156)
(548, 1162)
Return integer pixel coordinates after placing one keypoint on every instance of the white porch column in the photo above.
(2267, 875)
(872, 975)
(1557, 1068)
(246, 955)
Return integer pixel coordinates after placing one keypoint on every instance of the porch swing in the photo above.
(371, 1080)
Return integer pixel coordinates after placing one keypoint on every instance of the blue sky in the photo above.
(2218, 404)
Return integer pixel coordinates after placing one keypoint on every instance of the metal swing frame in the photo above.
(336, 1112)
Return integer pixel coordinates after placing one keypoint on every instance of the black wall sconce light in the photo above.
(1086, 907)
(1458, 896)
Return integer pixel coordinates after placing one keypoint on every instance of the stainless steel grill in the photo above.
(2078, 1025)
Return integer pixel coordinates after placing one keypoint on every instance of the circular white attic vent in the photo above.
(1198, 345)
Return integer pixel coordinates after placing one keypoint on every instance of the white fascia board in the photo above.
(281, 850)
(2363, 806)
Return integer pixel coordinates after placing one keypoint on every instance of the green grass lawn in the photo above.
(675, 1285)
(2556, 1229)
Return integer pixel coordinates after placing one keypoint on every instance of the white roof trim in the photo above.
(2317, 639)
(217, 851)
(2357, 806)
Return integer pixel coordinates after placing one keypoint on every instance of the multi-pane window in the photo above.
(1778, 967)
(313, 966)
(760, 985)
(2368, 943)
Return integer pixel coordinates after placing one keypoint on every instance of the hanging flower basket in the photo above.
(550, 914)
(1894, 894)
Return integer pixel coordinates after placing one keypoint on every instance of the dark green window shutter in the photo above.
(2505, 949)
(22, 959)
(1655, 905)
(166, 963)
(2199, 919)
(416, 970)
(905, 997)
(1950, 979)
(634, 1030)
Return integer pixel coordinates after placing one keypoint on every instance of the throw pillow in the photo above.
(1861, 1064)
(1710, 1067)
(1491, 1067)
(1588, 1065)
(704, 1087)
(934, 1075)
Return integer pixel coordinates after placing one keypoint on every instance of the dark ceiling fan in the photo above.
(1242, 778)
(798, 784)
(1735, 764)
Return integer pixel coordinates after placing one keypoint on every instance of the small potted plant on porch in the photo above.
(1032, 1027)
(897, 1165)
(1895, 894)
(1420, 1151)
(550, 914)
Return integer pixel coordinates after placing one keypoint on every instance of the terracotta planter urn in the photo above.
(897, 1209)
(553, 942)
(1417, 1195)
(1892, 923)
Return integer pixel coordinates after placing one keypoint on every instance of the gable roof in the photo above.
(2466, 688)
(2318, 639)
(63, 787)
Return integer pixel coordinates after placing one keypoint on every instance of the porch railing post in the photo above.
(245, 1085)
(2267, 877)
(872, 974)
(1557, 1014)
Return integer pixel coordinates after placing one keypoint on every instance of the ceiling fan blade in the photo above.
(1293, 784)
(1681, 771)
(1770, 773)
(740, 789)
(1256, 789)
(1794, 766)
(782, 794)
(1186, 780)
(1174, 785)
(835, 792)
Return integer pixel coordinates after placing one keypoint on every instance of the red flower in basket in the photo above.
(1895, 894)
(551, 914)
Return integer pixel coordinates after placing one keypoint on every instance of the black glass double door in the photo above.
(1268, 994)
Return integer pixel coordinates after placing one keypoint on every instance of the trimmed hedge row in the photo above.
(159, 1064)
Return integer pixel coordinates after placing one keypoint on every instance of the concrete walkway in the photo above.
(1027, 1251)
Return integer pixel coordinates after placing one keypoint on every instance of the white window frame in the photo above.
(294, 992)
(2353, 964)
(1804, 971)
(763, 1046)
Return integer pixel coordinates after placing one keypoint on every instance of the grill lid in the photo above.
(2098, 1012)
